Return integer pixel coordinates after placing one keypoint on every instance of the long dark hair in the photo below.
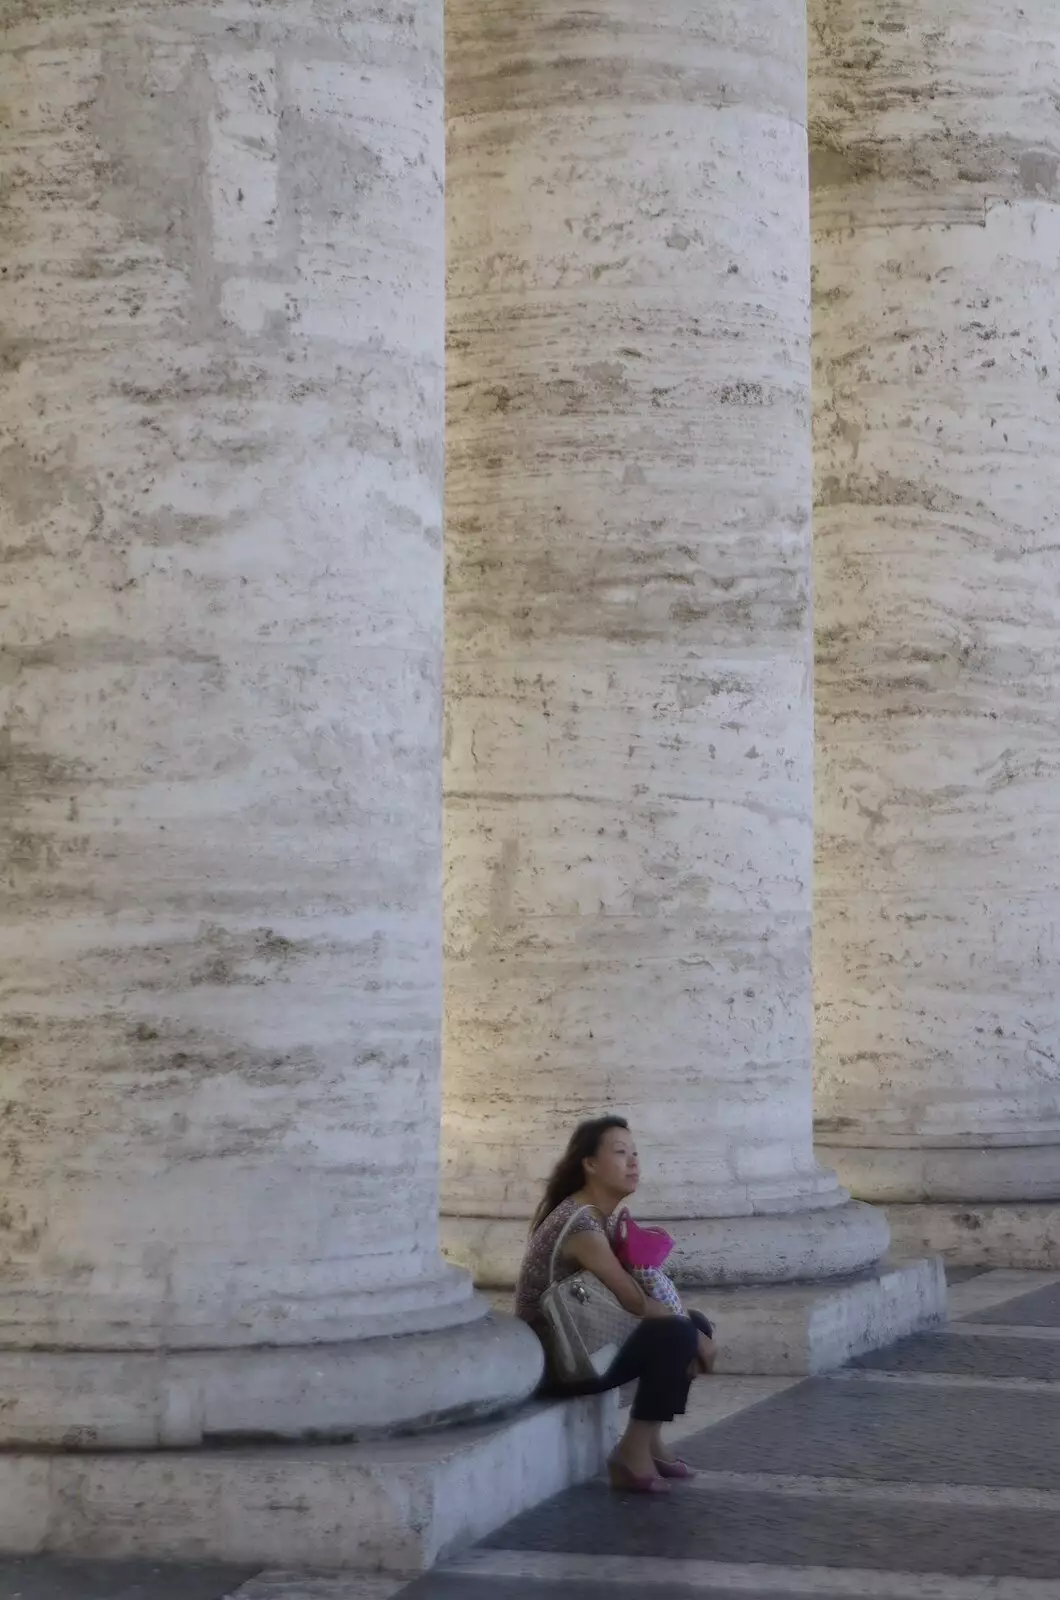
(568, 1174)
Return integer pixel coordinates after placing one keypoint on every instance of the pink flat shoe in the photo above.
(626, 1482)
(674, 1469)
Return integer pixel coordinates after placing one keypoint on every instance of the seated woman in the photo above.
(599, 1169)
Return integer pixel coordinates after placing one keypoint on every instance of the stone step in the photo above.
(396, 1505)
(800, 1330)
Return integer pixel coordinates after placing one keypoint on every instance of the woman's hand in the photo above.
(708, 1354)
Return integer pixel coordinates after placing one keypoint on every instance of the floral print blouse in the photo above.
(534, 1276)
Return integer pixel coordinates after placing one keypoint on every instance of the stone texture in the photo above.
(818, 1327)
(894, 1433)
(112, 1580)
(970, 1355)
(349, 1389)
(980, 1236)
(796, 1329)
(936, 151)
(967, 1300)
(839, 1488)
(760, 1583)
(394, 1505)
(220, 706)
(281, 1585)
(769, 1249)
(460, 1586)
(724, 1396)
(52, 1578)
(1040, 1309)
(629, 722)
(798, 1531)
(956, 1276)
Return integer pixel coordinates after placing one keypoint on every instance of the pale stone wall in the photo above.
(937, 236)
(629, 718)
(221, 697)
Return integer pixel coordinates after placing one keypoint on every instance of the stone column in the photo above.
(220, 754)
(629, 714)
(937, 219)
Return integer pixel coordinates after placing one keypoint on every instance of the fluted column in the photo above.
(937, 223)
(220, 749)
(629, 735)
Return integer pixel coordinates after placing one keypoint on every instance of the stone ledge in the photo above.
(397, 1506)
(796, 1330)
(992, 1174)
(826, 1242)
(369, 1388)
(806, 1329)
(1024, 1237)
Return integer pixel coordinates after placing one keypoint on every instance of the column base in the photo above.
(796, 1330)
(799, 1330)
(979, 1174)
(781, 1247)
(363, 1389)
(1024, 1237)
(397, 1506)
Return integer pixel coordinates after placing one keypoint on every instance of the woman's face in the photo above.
(615, 1165)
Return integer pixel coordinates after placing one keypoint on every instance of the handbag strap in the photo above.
(564, 1235)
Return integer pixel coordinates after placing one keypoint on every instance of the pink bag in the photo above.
(639, 1247)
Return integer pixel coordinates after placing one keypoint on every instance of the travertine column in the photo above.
(220, 760)
(937, 219)
(629, 712)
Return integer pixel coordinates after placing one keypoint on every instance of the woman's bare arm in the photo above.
(592, 1252)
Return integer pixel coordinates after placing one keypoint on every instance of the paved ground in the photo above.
(927, 1472)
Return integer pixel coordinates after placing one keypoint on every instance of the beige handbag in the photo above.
(586, 1324)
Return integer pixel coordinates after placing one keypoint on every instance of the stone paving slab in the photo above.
(1038, 1310)
(884, 1480)
(893, 1433)
(41, 1578)
(968, 1355)
(278, 1584)
(458, 1586)
(787, 1530)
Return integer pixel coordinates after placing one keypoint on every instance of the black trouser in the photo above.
(658, 1355)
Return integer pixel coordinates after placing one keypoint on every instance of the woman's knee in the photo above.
(673, 1338)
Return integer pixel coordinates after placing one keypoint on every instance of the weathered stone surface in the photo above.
(885, 1486)
(807, 1327)
(394, 1505)
(976, 1235)
(117, 1580)
(629, 721)
(936, 135)
(1039, 1309)
(459, 1586)
(816, 1327)
(220, 695)
(799, 1531)
(970, 1355)
(1014, 1176)
(357, 1389)
(894, 1433)
(773, 1248)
